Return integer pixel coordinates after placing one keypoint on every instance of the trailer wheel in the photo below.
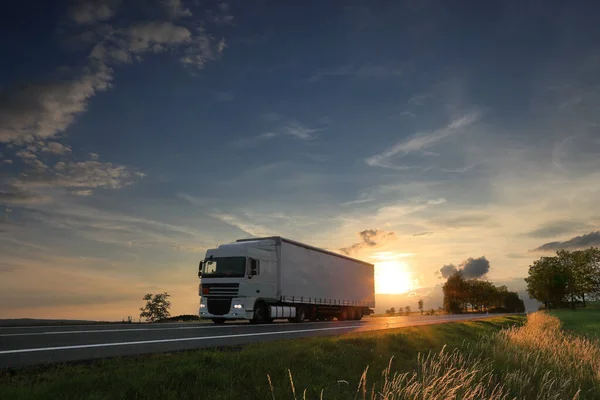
(218, 321)
(343, 315)
(300, 314)
(359, 314)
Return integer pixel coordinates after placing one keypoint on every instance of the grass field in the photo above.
(584, 321)
(499, 358)
(331, 364)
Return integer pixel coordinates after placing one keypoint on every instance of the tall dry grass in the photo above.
(535, 361)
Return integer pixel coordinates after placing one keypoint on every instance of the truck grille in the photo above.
(220, 289)
(218, 306)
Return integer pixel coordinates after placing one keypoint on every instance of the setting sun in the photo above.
(393, 277)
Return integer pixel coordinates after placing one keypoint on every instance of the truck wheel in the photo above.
(219, 321)
(359, 314)
(343, 315)
(259, 316)
(300, 314)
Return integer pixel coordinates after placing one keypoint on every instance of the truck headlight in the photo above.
(202, 305)
(238, 306)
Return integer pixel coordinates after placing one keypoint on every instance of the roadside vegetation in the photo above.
(512, 357)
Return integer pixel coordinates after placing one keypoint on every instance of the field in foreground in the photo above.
(499, 358)
(332, 364)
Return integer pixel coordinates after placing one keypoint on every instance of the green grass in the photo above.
(583, 321)
(331, 364)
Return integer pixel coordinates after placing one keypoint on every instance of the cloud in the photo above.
(447, 270)
(175, 9)
(366, 71)
(43, 109)
(471, 268)
(56, 148)
(475, 267)
(245, 225)
(92, 11)
(298, 131)
(16, 195)
(292, 129)
(463, 221)
(151, 36)
(421, 141)
(557, 228)
(88, 174)
(423, 234)
(370, 238)
(578, 242)
(515, 255)
(8, 267)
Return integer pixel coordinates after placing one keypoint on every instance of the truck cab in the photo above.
(237, 278)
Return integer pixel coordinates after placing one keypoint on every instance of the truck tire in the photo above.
(359, 314)
(218, 321)
(300, 314)
(260, 313)
(343, 315)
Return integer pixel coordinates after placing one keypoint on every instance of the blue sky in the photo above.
(134, 135)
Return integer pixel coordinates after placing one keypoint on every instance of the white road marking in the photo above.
(86, 346)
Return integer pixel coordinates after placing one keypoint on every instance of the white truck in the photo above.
(271, 278)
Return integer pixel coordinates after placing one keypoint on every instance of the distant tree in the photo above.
(455, 293)
(421, 306)
(390, 311)
(512, 303)
(156, 308)
(432, 312)
(548, 281)
(407, 310)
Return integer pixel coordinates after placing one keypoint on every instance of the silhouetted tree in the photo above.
(421, 306)
(156, 308)
(407, 310)
(567, 276)
(454, 293)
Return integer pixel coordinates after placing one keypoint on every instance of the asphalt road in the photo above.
(31, 345)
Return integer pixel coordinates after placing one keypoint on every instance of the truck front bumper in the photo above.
(241, 308)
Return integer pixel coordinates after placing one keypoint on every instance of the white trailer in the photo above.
(270, 278)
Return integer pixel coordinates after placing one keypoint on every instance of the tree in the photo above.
(407, 310)
(512, 303)
(548, 281)
(391, 311)
(421, 306)
(454, 293)
(156, 308)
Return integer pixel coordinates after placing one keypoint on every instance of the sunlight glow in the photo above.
(393, 277)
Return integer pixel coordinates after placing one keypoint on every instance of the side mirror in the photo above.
(253, 267)
(200, 269)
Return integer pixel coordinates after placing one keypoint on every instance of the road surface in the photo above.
(31, 345)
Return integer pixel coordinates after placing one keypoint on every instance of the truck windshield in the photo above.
(225, 266)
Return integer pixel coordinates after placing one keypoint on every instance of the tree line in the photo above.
(567, 279)
(479, 295)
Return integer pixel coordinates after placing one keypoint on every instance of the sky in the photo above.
(421, 136)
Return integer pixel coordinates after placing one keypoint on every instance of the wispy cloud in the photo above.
(557, 228)
(370, 238)
(365, 71)
(421, 141)
(293, 129)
